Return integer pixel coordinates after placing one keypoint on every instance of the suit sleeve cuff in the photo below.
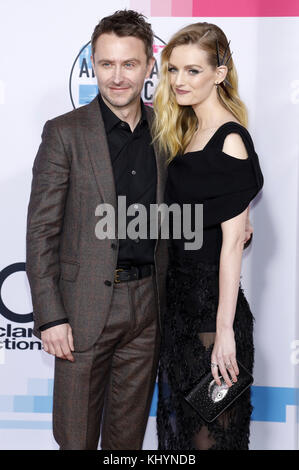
(53, 323)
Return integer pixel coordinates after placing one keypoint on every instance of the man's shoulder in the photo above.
(149, 110)
(76, 117)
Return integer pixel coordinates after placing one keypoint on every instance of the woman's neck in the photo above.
(210, 114)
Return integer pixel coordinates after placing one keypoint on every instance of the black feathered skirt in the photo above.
(189, 327)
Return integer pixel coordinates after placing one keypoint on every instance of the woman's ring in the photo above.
(228, 366)
(213, 364)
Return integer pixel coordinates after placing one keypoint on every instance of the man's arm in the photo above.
(44, 225)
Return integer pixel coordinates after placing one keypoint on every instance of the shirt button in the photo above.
(107, 283)
(133, 172)
(123, 124)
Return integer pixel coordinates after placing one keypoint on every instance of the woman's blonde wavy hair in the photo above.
(174, 125)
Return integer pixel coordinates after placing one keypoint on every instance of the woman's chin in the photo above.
(183, 100)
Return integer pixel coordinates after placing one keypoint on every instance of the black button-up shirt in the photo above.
(135, 175)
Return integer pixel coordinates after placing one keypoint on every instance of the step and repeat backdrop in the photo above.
(45, 70)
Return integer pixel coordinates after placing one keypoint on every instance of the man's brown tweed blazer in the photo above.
(70, 270)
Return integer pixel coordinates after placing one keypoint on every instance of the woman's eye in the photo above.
(171, 69)
(193, 71)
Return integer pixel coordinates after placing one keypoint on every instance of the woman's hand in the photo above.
(224, 355)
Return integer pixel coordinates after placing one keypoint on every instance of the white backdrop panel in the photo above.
(39, 42)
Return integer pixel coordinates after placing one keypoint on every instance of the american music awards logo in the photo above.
(14, 332)
(83, 85)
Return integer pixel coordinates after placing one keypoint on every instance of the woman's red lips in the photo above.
(181, 92)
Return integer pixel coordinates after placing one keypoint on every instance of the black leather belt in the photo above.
(133, 272)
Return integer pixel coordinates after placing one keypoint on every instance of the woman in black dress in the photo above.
(201, 124)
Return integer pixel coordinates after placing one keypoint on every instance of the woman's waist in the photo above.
(189, 260)
(186, 263)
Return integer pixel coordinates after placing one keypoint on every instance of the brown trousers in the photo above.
(108, 389)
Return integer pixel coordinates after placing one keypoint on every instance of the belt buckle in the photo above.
(116, 280)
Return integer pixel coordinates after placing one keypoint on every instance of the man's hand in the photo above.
(58, 340)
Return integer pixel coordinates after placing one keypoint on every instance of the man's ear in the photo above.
(150, 66)
(92, 62)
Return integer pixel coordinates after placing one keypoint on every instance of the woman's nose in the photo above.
(179, 78)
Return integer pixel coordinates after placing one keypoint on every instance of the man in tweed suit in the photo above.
(98, 303)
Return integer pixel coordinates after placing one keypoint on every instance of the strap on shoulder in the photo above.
(234, 127)
(229, 128)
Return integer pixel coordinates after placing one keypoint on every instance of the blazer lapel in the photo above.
(98, 151)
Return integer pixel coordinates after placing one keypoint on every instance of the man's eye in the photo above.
(105, 64)
(129, 65)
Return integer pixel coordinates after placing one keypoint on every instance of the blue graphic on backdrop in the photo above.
(87, 93)
(269, 404)
(85, 57)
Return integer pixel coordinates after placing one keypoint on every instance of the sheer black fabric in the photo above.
(225, 186)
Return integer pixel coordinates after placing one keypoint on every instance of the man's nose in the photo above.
(117, 74)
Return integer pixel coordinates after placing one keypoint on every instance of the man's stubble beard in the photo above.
(123, 105)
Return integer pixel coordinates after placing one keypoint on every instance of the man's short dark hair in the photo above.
(126, 23)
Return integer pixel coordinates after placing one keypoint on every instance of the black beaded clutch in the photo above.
(210, 399)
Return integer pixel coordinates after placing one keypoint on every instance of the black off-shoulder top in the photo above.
(225, 185)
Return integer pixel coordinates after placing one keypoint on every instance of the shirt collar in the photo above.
(110, 119)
